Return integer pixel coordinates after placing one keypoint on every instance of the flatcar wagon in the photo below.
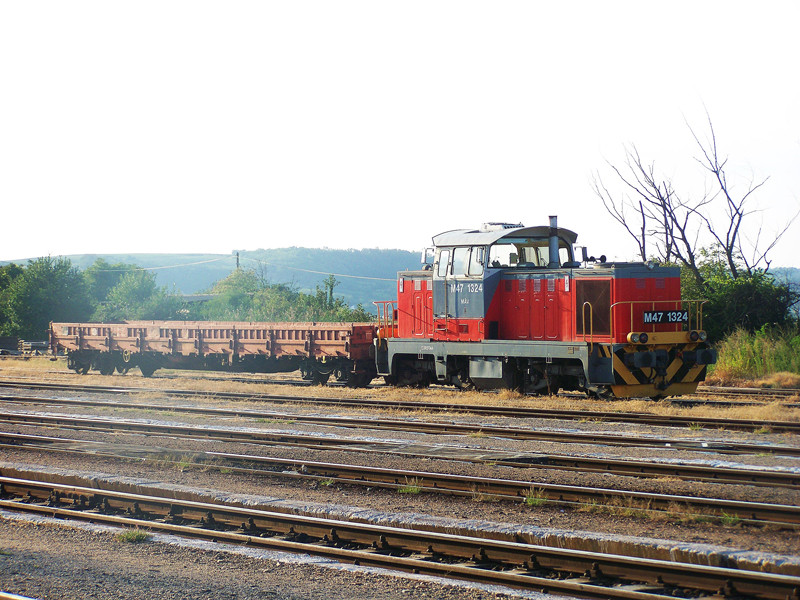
(318, 350)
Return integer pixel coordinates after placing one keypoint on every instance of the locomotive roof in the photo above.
(476, 237)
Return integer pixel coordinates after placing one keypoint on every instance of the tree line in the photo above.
(52, 289)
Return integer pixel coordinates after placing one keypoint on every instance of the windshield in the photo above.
(526, 252)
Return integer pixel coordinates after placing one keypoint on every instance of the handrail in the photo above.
(591, 322)
(386, 322)
(694, 306)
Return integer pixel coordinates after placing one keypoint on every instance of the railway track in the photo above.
(516, 564)
(754, 513)
(450, 428)
(518, 412)
(635, 468)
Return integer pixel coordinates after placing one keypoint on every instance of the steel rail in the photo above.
(634, 468)
(431, 482)
(439, 428)
(478, 559)
(519, 412)
(716, 390)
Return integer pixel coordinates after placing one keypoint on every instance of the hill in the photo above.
(364, 275)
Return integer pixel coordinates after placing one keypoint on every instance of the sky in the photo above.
(195, 126)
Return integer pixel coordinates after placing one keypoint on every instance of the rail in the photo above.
(576, 572)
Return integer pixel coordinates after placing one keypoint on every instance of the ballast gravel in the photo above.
(45, 560)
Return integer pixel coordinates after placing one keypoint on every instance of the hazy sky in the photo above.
(212, 126)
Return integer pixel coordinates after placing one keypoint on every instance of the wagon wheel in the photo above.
(320, 378)
(124, 363)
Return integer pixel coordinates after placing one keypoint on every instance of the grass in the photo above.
(535, 497)
(771, 355)
(327, 482)
(184, 464)
(134, 536)
(412, 486)
(729, 520)
(695, 426)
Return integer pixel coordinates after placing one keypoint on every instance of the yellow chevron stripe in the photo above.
(627, 376)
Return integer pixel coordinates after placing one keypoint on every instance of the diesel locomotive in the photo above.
(502, 306)
(508, 306)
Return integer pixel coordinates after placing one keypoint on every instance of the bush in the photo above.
(771, 349)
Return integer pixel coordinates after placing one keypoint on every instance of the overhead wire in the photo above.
(263, 262)
(137, 268)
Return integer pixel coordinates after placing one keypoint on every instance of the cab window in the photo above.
(460, 261)
(476, 261)
(444, 262)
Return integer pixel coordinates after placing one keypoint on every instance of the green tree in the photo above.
(136, 297)
(101, 277)
(48, 289)
(744, 299)
(8, 273)
(233, 296)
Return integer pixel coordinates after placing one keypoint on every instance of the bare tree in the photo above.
(668, 226)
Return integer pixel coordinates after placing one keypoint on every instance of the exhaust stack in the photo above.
(553, 264)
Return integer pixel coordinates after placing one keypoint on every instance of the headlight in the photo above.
(635, 338)
(643, 338)
(694, 336)
(703, 336)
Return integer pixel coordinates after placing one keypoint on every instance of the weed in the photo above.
(133, 536)
(730, 520)
(478, 496)
(695, 426)
(183, 464)
(535, 497)
(763, 430)
(327, 482)
(412, 486)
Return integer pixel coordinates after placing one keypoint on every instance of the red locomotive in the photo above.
(504, 306)
(507, 306)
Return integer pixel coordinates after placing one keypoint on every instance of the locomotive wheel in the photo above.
(602, 392)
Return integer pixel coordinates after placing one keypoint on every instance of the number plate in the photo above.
(665, 316)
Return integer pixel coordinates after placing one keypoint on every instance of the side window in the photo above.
(444, 261)
(500, 255)
(563, 255)
(476, 261)
(460, 261)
